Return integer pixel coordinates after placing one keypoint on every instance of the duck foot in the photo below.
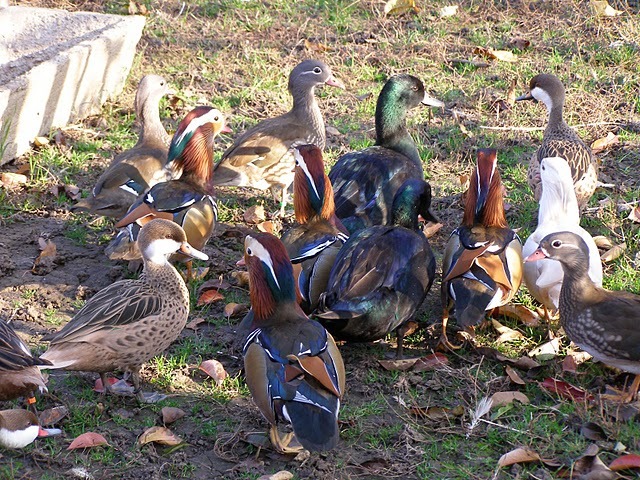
(444, 344)
(150, 397)
(282, 443)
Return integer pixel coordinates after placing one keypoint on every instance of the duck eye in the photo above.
(249, 251)
(317, 70)
(216, 118)
(556, 243)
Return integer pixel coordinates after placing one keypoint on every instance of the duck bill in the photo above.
(487, 161)
(48, 432)
(189, 251)
(526, 96)
(432, 102)
(535, 256)
(334, 82)
(226, 129)
(241, 263)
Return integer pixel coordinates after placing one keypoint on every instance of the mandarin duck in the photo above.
(558, 211)
(19, 372)
(559, 140)
(602, 322)
(134, 171)
(365, 182)
(482, 262)
(382, 274)
(188, 199)
(261, 157)
(292, 366)
(129, 322)
(19, 428)
(315, 241)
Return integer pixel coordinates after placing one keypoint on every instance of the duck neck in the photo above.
(555, 117)
(307, 111)
(159, 273)
(391, 131)
(153, 131)
(405, 210)
(558, 205)
(576, 286)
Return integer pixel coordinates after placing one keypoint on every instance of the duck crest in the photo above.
(270, 274)
(484, 204)
(313, 193)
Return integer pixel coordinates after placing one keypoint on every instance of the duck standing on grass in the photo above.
(292, 366)
(315, 241)
(188, 200)
(365, 182)
(482, 262)
(601, 322)
(127, 323)
(382, 274)
(261, 157)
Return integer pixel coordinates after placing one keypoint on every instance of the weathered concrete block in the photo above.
(58, 67)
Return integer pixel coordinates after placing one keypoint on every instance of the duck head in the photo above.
(160, 238)
(545, 88)
(271, 279)
(484, 203)
(150, 90)
(191, 149)
(412, 201)
(309, 74)
(566, 247)
(18, 428)
(313, 193)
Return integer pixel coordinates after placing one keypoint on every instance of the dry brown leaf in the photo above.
(634, 215)
(171, 414)
(521, 313)
(613, 253)
(40, 141)
(602, 242)
(502, 55)
(161, 435)
(546, 351)
(193, 324)
(254, 214)
(398, 7)
(569, 364)
(625, 462)
(435, 414)
(266, 226)
(88, 440)
(281, 475)
(592, 431)
(315, 46)
(234, 309)
(523, 363)
(605, 142)
(242, 277)
(603, 9)
(47, 255)
(590, 467)
(519, 43)
(505, 398)
(506, 334)
(72, 192)
(12, 180)
(51, 416)
(514, 376)
(430, 362)
(519, 455)
(511, 93)
(209, 296)
(215, 370)
(398, 365)
(430, 229)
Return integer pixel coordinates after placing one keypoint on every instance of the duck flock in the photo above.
(356, 266)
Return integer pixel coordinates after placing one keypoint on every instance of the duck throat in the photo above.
(391, 132)
(307, 112)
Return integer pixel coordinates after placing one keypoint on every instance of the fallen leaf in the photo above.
(171, 414)
(613, 253)
(193, 324)
(161, 435)
(605, 142)
(398, 365)
(519, 43)
(115, 383)
(72, 192)
(625, 462)
(12, 180)
(603, 9)
(234, 309)
(266, 226)
(242, 277)
(546, 351)
(602, 242)
(259, 440)
(254, 214)
(435, 414)
(430, 229)
(281, 475)
(506, 334)
(430, 362)
(523, 363)
(88, 440)
(499, 399)
(590, 467)
(521, 313)
(215, 370)
(634, 215)
(448, 11)
(315, 46)
(40, 141)
(502, 55)
(592, 431)
(51, 416)
(209, 296)
(398, 7)
(566, 390)
(569, 364)
(513, 375)
(47, 254)
(511, 93)
(519, 455)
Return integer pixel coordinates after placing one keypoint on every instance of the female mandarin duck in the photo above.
(136, 170)
(559, 140)
(314, 243)
(558, 211)
(292, 365)
(365, 182)
(482, 262)
(382, 274)
(601, 322)
(130, 321)
(188, 199)
(261, 157)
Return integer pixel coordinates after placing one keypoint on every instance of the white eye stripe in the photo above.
(258, 250)
(301, 163)
(211, 116)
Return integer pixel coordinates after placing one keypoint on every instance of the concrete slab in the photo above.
(58, 67)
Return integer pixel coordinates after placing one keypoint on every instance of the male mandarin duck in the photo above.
(365, 182)
(602, 322)
(559, 140)
(130, 321)
(19, 372)
(134, 171)
(19, 428)
(482, 262)
(314, 243)
(382, 274)
(558, 212)
(188, 199)
(292, 366)
(261, 157)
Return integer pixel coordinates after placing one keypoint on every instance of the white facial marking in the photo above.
(542, 96)
(258, 250)
(209, 117)
(303, 165)
(158, 250)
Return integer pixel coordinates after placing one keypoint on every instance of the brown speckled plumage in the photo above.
(560, 140)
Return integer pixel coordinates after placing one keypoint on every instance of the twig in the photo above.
(537, 129)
